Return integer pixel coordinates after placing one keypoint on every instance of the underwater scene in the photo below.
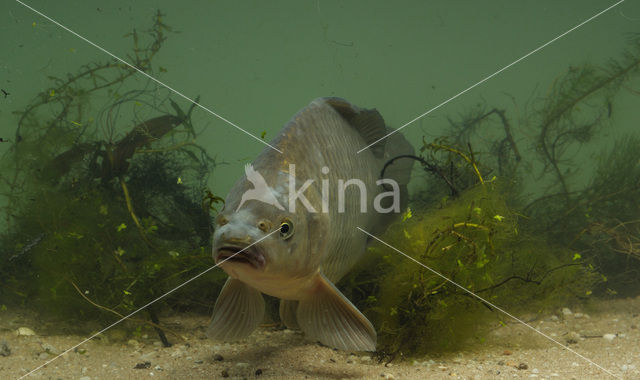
(320, 189)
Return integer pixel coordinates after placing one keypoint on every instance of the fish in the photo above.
(287, 232)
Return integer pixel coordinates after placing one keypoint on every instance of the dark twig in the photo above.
(429, 167)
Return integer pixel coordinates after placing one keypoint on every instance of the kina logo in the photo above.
(260, 192)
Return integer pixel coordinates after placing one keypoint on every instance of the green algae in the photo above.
(474, 222)
(107, 208)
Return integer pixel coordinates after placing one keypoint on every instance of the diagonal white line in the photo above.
(492, 75)
(148, 76)
(148, 304)
(490, 304)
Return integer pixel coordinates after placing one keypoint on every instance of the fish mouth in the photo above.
(241, 255)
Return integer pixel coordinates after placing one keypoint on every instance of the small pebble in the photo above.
(133, 342)
(572, 337)
(49, 349)
(258, 372)
(85, 378)
(506, 352)
(143, 365)
(25, 331)
(4, 348)
(218, 357)
(523, 366)
(566, 311)
(609, 337)
(242, 365)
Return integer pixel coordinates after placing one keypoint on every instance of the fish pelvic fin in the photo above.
(288, 311)
(329, 317)
(237, 312)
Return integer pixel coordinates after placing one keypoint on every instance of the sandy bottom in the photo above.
(607, 333)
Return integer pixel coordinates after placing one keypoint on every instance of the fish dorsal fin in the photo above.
(329, 317)
(237, 312)
(369, 123)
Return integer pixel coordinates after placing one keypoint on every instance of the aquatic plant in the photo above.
(475, 241)
(475, 222)
(106, 213)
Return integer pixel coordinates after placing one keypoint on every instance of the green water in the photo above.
(254, 64)
(258, 63)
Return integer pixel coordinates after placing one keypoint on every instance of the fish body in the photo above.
(301, 193)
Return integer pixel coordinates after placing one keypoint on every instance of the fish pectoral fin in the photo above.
(237, 312)
(329, 317)
(288, 311)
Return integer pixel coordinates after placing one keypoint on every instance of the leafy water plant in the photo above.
(475, 241)
(476, 223)
(106, 213)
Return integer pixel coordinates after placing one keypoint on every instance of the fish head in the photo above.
(260, 242)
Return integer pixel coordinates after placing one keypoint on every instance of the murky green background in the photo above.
(256, 63)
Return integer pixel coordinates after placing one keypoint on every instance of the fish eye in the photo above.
(286, 229)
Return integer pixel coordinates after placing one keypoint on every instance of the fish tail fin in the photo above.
(329, 317)
(237, 312)
(399, 170)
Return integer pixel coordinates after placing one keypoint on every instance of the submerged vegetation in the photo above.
(474, 241)
(505, 217)
(106, 210)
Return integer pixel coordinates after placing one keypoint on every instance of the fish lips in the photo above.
(252, 256)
